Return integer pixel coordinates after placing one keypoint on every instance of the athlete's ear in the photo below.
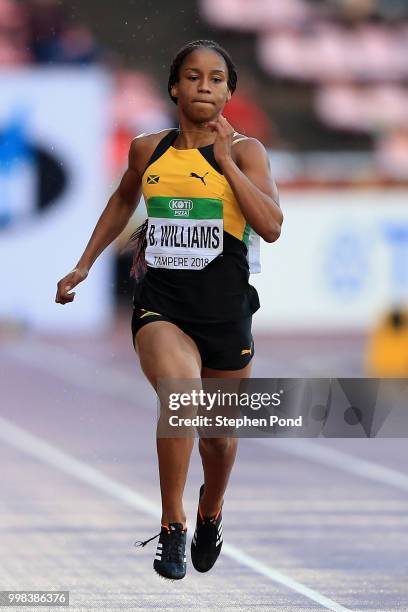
(229, 96)
(174, 91)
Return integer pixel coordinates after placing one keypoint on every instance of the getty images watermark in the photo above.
(217, 400)
(289, 407)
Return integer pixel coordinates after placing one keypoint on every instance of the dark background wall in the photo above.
(148, 33)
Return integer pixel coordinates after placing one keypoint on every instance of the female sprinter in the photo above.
(193, 308)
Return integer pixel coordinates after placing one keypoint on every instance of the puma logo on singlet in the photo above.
(194, 175)
(149, 313)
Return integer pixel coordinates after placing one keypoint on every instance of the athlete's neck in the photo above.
(194, 137)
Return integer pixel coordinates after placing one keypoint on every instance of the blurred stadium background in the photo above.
(322, 84)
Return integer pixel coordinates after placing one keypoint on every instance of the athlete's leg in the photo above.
(218, 454)
(167, 352)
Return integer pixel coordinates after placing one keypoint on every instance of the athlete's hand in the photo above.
(223, 139)
(69, 282)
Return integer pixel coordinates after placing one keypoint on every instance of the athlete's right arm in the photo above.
(112, 222)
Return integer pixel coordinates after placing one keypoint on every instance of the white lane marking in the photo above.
(83, 372)
(307, 449)
(52, 456)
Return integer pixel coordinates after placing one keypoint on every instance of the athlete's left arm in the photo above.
(254, 188)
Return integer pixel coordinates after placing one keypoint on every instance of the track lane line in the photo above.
(306, 449)
(38, 448)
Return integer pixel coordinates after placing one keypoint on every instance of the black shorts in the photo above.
(222, 346)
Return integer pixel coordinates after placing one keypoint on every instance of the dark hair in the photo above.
(136, 245)
(193, 46)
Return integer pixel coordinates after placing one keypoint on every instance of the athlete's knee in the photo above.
(173, 372)
(219, 446)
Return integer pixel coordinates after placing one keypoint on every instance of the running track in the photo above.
(308, 525)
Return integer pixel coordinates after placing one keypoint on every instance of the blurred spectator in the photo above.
(326, 51)
(14, 34)
(137, 107)
(76, 45)
(355, 107)
(54, 40)
(47, 19)
(392, 153)
(259, 15)
(269, 15)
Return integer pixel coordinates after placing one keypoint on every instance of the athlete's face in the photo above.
(202, 89)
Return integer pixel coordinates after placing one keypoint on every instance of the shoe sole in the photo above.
(167, 578)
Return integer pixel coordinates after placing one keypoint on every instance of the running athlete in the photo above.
(209, 196)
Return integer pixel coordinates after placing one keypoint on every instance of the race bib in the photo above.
(254, 252)
(183, 233)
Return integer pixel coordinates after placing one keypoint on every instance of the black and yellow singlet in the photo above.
(198, 241)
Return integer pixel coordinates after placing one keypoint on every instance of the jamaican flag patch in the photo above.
(153, 179)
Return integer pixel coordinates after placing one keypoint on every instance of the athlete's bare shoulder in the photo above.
(142, 147)
(240, 146)
(243, 143)
(252, 158)
(245, 147)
